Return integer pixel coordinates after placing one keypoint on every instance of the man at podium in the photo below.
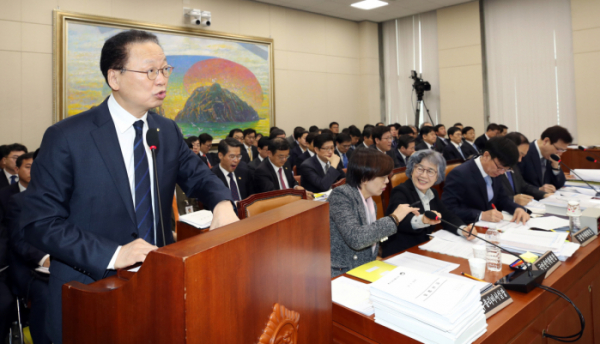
(94, 204)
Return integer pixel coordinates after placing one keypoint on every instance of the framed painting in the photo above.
(220, 81)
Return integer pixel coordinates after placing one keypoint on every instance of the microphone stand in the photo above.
(557, 158)
(585, 150)
(162, 226)
(523, 281)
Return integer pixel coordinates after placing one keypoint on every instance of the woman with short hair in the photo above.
(354, 228)
(424, 169)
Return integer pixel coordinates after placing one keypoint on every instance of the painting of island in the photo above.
(218, 83)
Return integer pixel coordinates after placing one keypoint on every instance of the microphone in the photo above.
(582, 148)
(590, 159)
(522, 281)
(153, 142)
(557, 158)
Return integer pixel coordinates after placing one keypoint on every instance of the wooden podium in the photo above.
(265, 279)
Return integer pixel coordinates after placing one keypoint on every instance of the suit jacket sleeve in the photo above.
(45, 220)
(454, 193)
(446, 214)
(312, 177)
(263, 181)
(559, 179)
(505, 203)
(19, 246)
(525, 187)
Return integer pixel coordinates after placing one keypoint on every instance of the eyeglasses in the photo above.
(389, 138)
(346, 146)
(420, 170)
(14, 157)
(330, 148)
(235, 157)
(503, 170)
(153, 73)
(282, 158)
(558, 149)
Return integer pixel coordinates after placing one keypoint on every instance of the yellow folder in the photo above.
(372, 271)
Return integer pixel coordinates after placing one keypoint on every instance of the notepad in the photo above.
(372, 271)
(198, 219)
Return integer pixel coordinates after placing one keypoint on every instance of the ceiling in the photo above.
(342, 9)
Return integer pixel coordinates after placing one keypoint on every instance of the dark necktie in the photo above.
(461, 153)
(143, 195)
(345, 160)
(543, 168)
(283, 187)
(510, 180)
(490, 189)
(13, 180)
(233, 187)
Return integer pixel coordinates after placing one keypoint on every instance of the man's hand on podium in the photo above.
(132, 253)
(223, 215)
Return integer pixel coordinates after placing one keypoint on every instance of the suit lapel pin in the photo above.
(240, 178)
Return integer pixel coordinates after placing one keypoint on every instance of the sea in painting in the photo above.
(216, 85)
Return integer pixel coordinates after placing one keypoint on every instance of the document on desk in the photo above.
(588, 174)
(422, 263)
(198, 219)
(547, 222)
(580, 184)
(533, 241)
(445, 242)
(352, 294)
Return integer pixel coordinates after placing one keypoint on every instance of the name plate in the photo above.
(494, 300)
(547, 262)
(584, 236)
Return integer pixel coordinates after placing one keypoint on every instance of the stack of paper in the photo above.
(323, 195)
(567, 251)
(557, 203)
(588, 175)
(198, 219)
(427, 307)
(522, 240)
(580, 184)
(352, 294)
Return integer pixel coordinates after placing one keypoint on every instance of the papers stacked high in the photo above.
(587, 174)
(521, 241)
(198, 219)
(427, 307)
(352, 294)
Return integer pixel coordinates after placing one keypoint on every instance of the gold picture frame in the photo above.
(243, 64)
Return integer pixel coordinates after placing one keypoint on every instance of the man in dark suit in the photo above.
(472, 190)
(382, 138)
(103, 211)
(367, 138)
(538, 168)
(298, 146)
(249, 151)
(406, 147)
(273, 173)
(324, 168)
(453, 150)
(210, 159)
(292, 138)
(469, 148)
(355, 134)
(440, 132)
(308, 153)
(515, 186)
(233, 172)
(343, 142)
(263, 153)
(9, 175)
(24, 259)
(492, 130)
(428, 140)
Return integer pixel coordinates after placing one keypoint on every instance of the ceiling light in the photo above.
(369, 4)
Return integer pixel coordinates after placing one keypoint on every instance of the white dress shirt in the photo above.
(226, 174)
(483, 174)
(324, 164)
(277, 174)
(8, 175)
(123, 121)
(311, 153)
(555, 172)
(428, 145)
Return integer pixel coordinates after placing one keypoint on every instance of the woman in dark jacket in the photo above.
(424, 169)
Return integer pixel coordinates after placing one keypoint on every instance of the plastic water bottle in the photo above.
(493, 253)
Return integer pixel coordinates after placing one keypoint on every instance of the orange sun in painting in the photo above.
(230, 75)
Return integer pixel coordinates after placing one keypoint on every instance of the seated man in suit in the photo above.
(210, 159)
(538, 168)
(324, 168)
(406, 147)
(9, 175)
(249, 151)
(492, 130)
(514, 184)
(458, 125)
(367, 137)
(382, 138)
(275, 133)
(232, 171)
(334, 127)
(309, 152)
(440, 132)
(299, 146)
(473, 190)
(355, 134)
(292, 138)
(503, 130)
(237, 134)
(193, 144)
(263, 153)
(469, 148)
(394, 133)
(407, 130)
(454, 151)
(343, 142)
(273, 173)
(428, 140)
(24, 258)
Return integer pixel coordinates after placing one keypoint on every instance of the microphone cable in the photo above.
(565, 339)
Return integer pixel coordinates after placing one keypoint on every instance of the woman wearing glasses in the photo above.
(424, 169)
(355, 231)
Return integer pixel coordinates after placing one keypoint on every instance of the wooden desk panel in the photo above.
(523, 320)
(575, 158)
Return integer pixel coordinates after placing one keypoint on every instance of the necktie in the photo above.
(13, 180)
(461, 153)
(543, 168)
(475, 146)
(250, 152)
(326, 168)
(490, 190)
(345, 160)
(283, 187)
(233, 187)
(510, 180)
(207, 161)
(143, 195)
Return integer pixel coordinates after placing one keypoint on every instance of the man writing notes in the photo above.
(537, 168)
(92, 201)
(473, 190)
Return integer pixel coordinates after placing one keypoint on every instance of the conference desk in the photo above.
(523, 321)
(575, 158)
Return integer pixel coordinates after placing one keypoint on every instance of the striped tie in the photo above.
(143, 196)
